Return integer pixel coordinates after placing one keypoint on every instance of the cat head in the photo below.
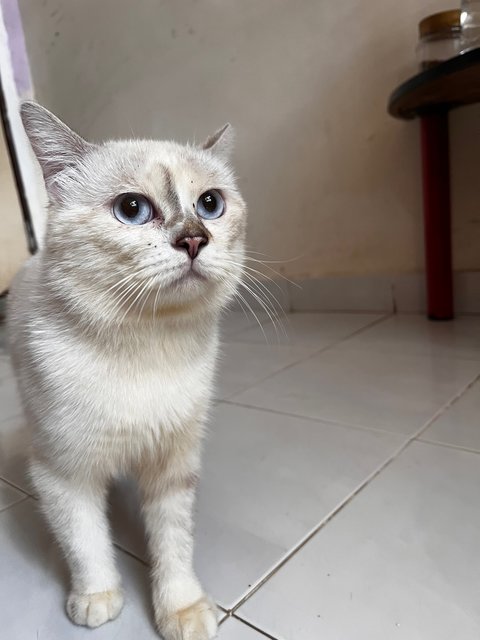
(138, 227)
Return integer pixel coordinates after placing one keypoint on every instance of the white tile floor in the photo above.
(339, 498)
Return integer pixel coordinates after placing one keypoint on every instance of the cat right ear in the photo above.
(221, 142)
(56, 146)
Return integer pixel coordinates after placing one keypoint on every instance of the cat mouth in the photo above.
(189, 275)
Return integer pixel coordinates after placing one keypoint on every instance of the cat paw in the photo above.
(196, 622)
(94, 609)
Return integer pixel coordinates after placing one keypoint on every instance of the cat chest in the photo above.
(162, 395)
(134, 389)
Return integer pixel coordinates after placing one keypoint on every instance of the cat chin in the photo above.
(190, 278)
(188, 293)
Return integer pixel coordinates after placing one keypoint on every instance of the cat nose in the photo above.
(192, 245)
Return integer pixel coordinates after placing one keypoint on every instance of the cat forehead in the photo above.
(165, 161)
(156, 169)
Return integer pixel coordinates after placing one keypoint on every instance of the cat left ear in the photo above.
(221, 142)
(56, 146)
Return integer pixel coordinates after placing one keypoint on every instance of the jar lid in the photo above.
(438, 22)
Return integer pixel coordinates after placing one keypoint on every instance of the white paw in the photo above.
(196, 622)
(94, 609)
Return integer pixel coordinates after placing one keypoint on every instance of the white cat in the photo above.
(114, 331)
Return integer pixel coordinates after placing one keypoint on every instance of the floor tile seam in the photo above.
(311, 355)
(379, 349)
(347, 500)
(14, 504)
(378, 319)
(317, 528)
(453, 400)
(254, 627)
(448, 445)
(146, 564)
(327, 421)
(415, 436)
(15, 486)
(119, 547)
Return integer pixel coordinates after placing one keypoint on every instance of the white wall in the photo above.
(329, 177)
(13, 243)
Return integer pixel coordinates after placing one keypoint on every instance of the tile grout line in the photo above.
(15, 486)
(326, 421)
(312, 533)
(447, 445)
(315, 353)
(147, 565)
(117, 545)
(225, 614)
(254, 627)
(14, 504)
(130, 554)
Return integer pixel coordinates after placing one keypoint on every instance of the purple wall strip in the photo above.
(18, 50)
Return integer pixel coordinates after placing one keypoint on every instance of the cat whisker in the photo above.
(266, 307)
(264, 275)
(240, 297)
(274, 261)
(254, 288)
(261, 284)
(265, 263)
(122, 288)
(135, 300)
(117, 284)
(125, 295)
(133, 290)
(265, 292)
(128, 277)
(245, 312)
(148, 293)
(269, 299)
(155, 302)
(277, 273)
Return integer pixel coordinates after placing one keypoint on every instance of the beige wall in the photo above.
(330, 178)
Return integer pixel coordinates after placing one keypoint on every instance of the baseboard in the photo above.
(405, 293)
(467, 292)
(366, 293)
(409, 292)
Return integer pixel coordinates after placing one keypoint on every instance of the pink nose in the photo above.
(191, 245)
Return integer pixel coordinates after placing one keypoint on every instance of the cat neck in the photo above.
(82, 311)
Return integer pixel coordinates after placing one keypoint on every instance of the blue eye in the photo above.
(133, 208)
(210, 205)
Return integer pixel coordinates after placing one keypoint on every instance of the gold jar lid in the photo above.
(438, 22)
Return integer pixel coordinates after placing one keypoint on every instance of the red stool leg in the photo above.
(436, 211)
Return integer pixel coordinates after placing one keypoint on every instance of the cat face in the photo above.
(141, 227)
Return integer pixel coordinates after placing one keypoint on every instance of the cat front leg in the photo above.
(182, 610)
(76, 512)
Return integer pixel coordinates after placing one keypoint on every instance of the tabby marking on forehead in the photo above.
(171, 194)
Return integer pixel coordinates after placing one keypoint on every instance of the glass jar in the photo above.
(439, 38)
(470, 25)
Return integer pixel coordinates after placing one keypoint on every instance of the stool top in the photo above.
(450, 84)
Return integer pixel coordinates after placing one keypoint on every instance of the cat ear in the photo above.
(221, 142)
(56, 146)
